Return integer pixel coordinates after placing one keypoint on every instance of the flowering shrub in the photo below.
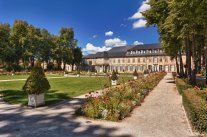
(117, 103)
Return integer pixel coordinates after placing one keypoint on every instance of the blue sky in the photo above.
(98, 24)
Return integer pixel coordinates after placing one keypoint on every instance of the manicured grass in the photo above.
(7, 77)
(61, 88)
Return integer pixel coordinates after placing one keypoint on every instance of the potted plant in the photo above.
(36, 86)
(135, 74)
(114, 78)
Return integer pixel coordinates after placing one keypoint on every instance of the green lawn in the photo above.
(7, 77)
(61, 88)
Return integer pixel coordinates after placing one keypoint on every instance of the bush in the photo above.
(196, 108)
(37, 82)
(135, 73)
(117, 103)
(146, 71)
(181, 85)
(114, 76)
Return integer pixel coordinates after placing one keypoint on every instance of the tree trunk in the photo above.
(181, 63)
(177, 65)
(206, 53)
(188, 57)
(195, 64)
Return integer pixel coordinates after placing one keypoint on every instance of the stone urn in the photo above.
(35, 100)
(135, 77)
(113, 82)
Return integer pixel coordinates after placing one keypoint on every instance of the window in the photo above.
(128, 60)
(166, 59)
(161, 59)
(118, 60)
(149, 60)
(131, 68)
(144, 59)
(114, 61)
(155, 60)
(123, 60)
(133, 60)
(138, 60)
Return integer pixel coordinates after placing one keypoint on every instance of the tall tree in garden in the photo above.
(19, 39)
(6, 51)
(46, 45)
(67, 44)
(77, 57)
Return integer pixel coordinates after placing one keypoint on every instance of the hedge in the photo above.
(181, 85)
(196, 108)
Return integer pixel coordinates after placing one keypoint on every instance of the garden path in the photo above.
(161, 115)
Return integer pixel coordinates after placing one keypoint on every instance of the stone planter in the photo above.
(66, 75)
(78, 75)
(113, 82)
(135, 77)
(35, 100)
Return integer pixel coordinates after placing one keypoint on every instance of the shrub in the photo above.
(196, 108)
(146, 71)
(117, 103)
(135, 73)
(114, 76)
(37, 82)
(181, 85)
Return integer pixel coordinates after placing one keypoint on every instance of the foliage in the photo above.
(117, 103)
(135, 73)
(196, 108)
(181, 85)
(24, 43)
(37, 82)
(114, 76)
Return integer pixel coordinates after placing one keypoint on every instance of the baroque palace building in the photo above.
(128, 58)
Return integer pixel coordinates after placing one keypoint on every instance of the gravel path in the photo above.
(161, 115)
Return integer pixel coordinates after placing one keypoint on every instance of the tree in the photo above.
(77, 57)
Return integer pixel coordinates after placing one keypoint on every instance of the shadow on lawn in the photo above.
(50, 122)
(20, 97)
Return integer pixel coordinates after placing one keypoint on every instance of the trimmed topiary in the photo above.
(135, 73)
(114, 76)
(37, 82)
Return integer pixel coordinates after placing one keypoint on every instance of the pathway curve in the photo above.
(161, 115)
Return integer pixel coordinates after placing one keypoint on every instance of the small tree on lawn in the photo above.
(114, 76)
(135, 74)
(37, 82)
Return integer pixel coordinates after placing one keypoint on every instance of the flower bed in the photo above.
(117, 103)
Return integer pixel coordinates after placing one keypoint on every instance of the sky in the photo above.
(99, 25)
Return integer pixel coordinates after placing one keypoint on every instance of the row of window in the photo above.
(139, 60)
(143, 67)
(145, 51)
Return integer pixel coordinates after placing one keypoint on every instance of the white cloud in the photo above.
(123, 25)
(138, 43)
(91, 49)
(144, 7)
(95, 36)
(109, 33)
(139, 24)
(116, 42)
